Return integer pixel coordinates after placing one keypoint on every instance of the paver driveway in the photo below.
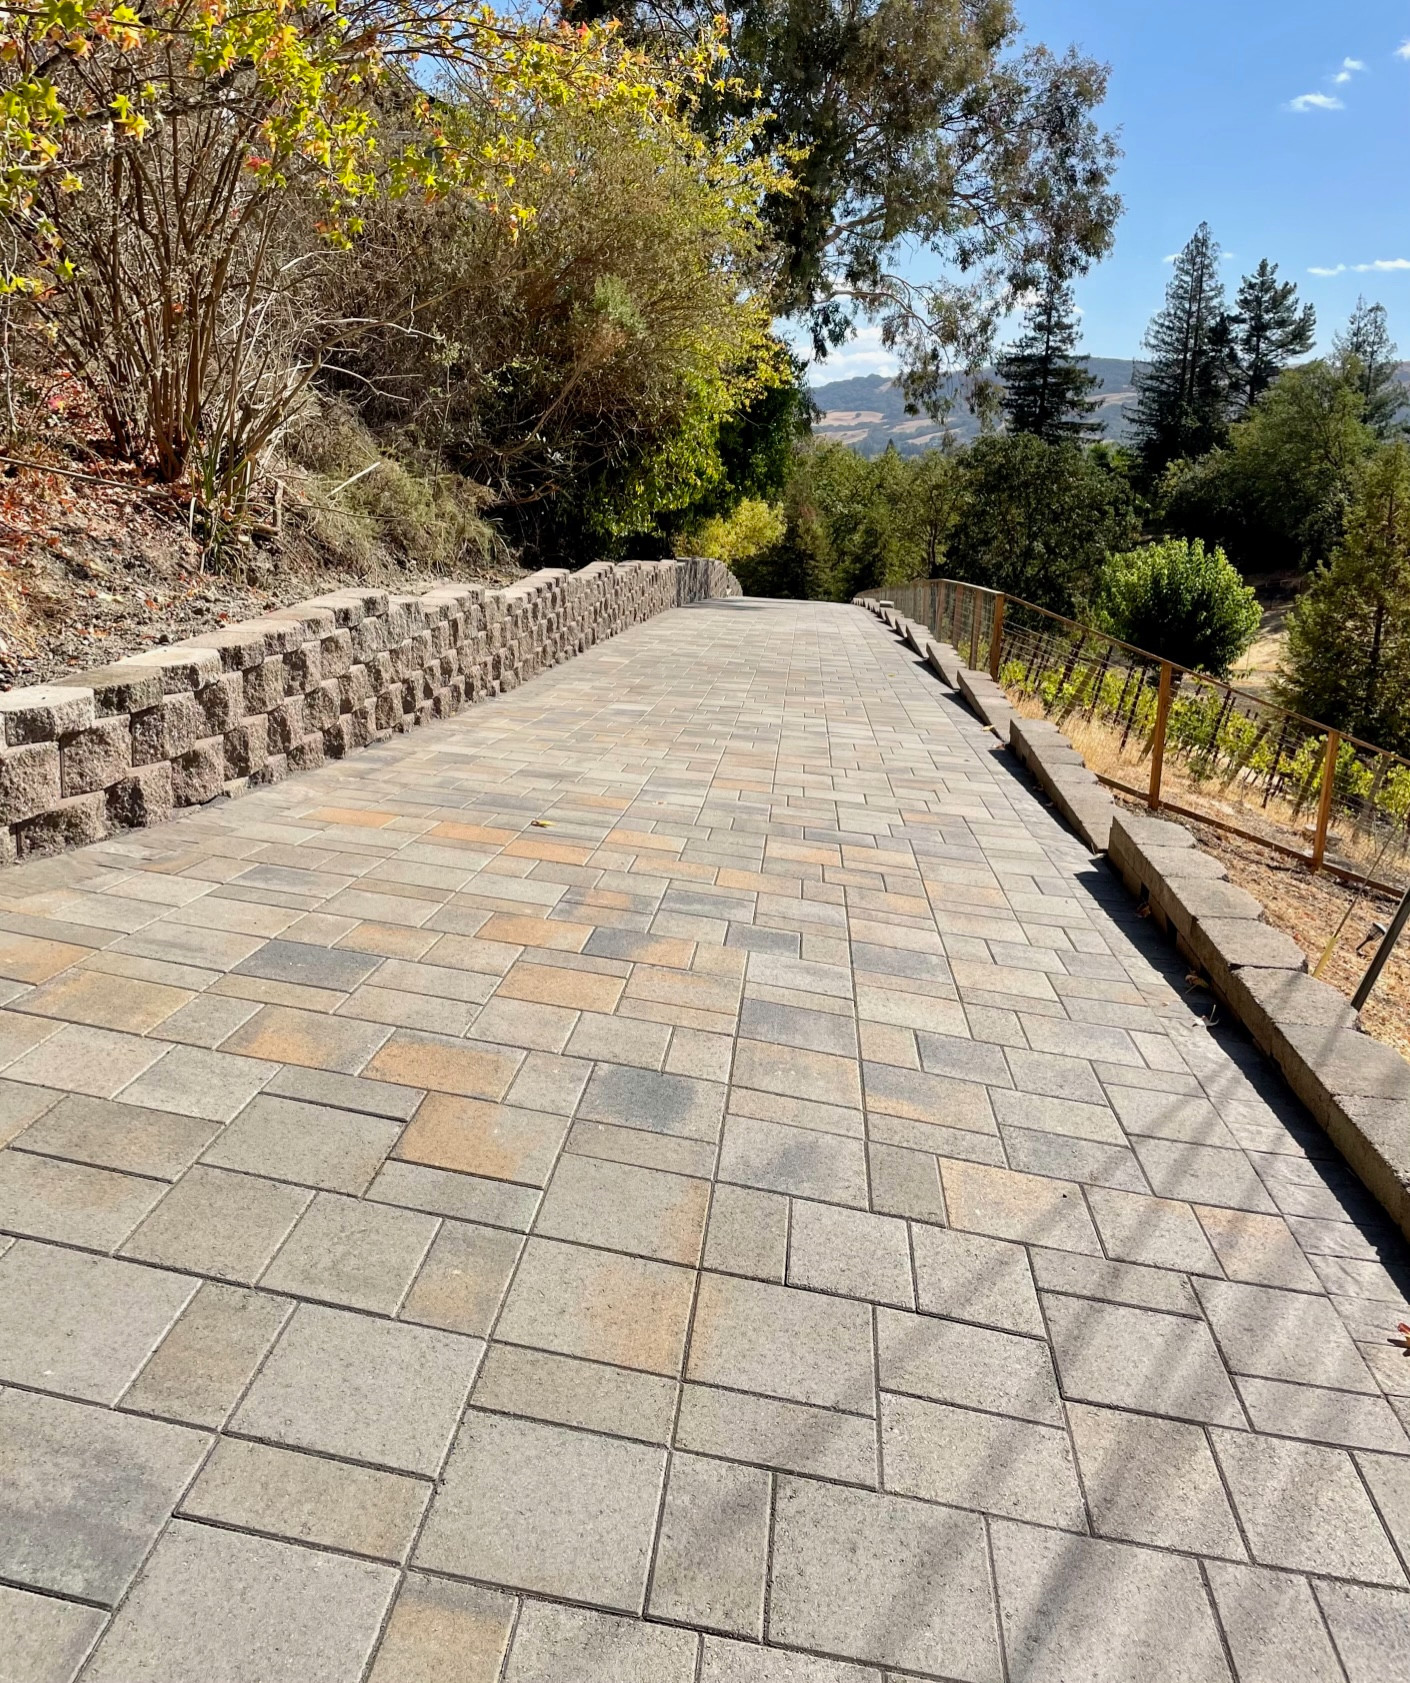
(687, 1155)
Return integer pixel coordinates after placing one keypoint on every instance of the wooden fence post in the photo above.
(1162, 717)
(974, 602)
(1324, 800)
(996, 638)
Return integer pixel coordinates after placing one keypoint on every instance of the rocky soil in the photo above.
(1311, 908)
(96, 564)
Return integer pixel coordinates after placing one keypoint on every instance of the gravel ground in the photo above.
(98, 567)
(1309, 907)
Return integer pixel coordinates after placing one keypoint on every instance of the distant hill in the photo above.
(869, 412)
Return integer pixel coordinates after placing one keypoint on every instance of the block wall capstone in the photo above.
(244, 705)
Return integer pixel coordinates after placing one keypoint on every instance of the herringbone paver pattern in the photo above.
(684, 1174)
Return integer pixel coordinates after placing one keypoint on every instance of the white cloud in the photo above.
(1224, 257)
(1349, 67)
(1403, 50)
(864, 353)
(1315, 102)
(1382, 266)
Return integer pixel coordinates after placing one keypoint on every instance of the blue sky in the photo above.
(1283, 123)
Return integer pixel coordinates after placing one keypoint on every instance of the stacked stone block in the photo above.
(245, 705)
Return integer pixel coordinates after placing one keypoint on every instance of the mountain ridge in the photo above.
(868, 411)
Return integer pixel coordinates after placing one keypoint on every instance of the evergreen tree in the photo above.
(1270, 328)
(1348, 660)
(1182, 393)
(1045, 385)
(1365, 355)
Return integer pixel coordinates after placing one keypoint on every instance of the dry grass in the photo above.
(1256, 671)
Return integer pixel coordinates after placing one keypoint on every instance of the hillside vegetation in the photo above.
(1246, 462)
(302, 291)
(306, 290)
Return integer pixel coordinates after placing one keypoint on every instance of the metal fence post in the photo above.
(1162, 717)
(1324, 801)
(996, 638)
(1383, 952)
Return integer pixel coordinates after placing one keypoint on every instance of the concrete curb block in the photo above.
(240, 706)
(986, 700)
(1061, 773)
(944, 660)
(1357, 1088)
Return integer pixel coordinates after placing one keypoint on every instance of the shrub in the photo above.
(1181, 601)
(585, 366)
(362, 500)
(752, 528)
(183, 187)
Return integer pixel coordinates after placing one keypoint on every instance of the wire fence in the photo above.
(1182, 741)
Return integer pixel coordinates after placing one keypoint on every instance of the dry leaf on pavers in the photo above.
(1404, 1330)
(540, 823)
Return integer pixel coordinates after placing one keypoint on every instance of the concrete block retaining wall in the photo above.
(1357, 1088)
(244, 705)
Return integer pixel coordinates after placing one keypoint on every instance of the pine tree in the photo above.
(1270, 328)
(1348, 659)
(1182, 393)
(1045, 385)
(1365, 356)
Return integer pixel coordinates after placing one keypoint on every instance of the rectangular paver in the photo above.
(882, 1579)
(780, 1342)
(851, 1253)
(712, 1556)
(370, 1390)
(552, 1642)
(975, 1367)
(542, 1026)
(309, 1499)
(314, 1145)
(1080, 1610)
(85, 1492)
(628, 1310)
(768, 1432)
(1137, 1358)
(985, 1461)
(301, 1615)
(619, 1206)
(82, 1325)
(349, 1251)
(200, 1369)
(219, 1223)
(537, 1507)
